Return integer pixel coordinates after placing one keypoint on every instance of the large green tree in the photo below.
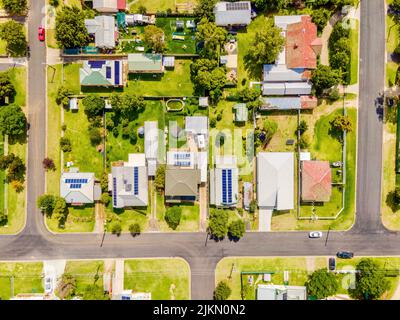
(222, 291)
(173, 216)
(205, 9)
(218, 223)
(267, 44)
(15, 7)
(46, 203)
(237, 229)
(322, 284)
(60, 211)
(94, 105)
(154, 37)
(212, 37)
(71, 31)
(12, 121)
(127, 105)
(323, 77)
(13, 34)
(7, 89)
(370, 281)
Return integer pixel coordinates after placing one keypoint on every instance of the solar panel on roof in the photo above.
(108, 72)
(115, 192)
(223, 186)
(135, 180)
(234, 6)
(96, 64)
(75, 186)
(116, 73)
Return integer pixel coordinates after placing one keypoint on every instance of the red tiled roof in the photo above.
(316, 181)
(302, 44)
(308, 102)
(121, 4)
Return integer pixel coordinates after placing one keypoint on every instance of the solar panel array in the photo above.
(234, 6)
(76, 181)
(116, 73)
(96, 64)
(75, 186)
(181, 156)
(115, 192)
(135, 181)
(226, 186)
(108, 72)
(182, 163)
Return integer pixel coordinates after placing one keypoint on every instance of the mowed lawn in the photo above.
(177, 46)
(189, 218)
(166, 279)
(354, 38)
(229, 269)
(391, 44)
(153, 6)
(79, 219)
(86, 273)
(2, 175)
(126, 217)
(172, 83)
(27, 278)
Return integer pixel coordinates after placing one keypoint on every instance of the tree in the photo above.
(54, 3)
(15, 7)
(205, 9)
(71, 31)
(7, 89)
(323, 77)
(48, 164)
(12, 33)
(17, 185)
(341, 123)
(62, 97)
(116, 228)
(104, 182)
(173, 216)
(60, 211)
(15, 166)
(66, 286)
(320, 17)
(237, 229)
(135, 229)
(218, 224)
(127, 105)
(267, 44)
(253, 206)
(212, 37)
(222, 291)
(159, 181)
(304, 142)
(95, 136)
(142, 10)
(322, 284)
(370, 281)
(3, 218)
(12, 121)
(248, 94)
(46, 203)
(302, 127)
(105, 198)
(94, 106)
(154, 37)
(94, 292)
(65, 144)
(270, 127)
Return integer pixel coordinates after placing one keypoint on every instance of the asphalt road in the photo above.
(367, 237)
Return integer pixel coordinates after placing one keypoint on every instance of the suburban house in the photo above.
(145, 63)
(229, 14)
(79, 188)
(316, 181)
(289, 103)
(224, 182)
(104, 31)
(291, 73)
(128, 182)
(151, 146)
(281, 292)
(275, 180)
(139, 19)
(196, 128)
(189, 160)
(181, 184)
(103, 73)
(109, 6)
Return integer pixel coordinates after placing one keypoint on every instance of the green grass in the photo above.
(164, 278)
(27, 278)
(80, 219)
(2, 175)
(130, 216)
(153, 6)
(392, 40)
(84, 155)
(391, 70)
(172, 83)
(177, 46)
(354, 38)
(18, 79)
(189, 220)
(297, 268)
(86, 273)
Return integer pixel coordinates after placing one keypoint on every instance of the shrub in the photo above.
(219, 117)
(237, 229)
(135, 229)
(253, 206)
(159, 181)
(116, 228)
(66, 287)
(302, 127)
(105, 198)
(222, 291)
(213, 123)
(173, 216)
(48, 164)
(65, 144)
(62, 97)
(218, 225)
(17, 185)
(95, 136)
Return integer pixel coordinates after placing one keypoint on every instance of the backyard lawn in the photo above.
(177, 46)
(154, 6)
(27, 278)
(172, 83)
(230, 269)
(166, 279)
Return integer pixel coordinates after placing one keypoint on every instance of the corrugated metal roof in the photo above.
(282, 103)
(226, 15)
(145, 62)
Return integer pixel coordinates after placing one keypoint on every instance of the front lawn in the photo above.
(166, 279)
(126, 217)
(189, 219)
(79, 219)
(27, 278)
(392, 40)
(354, 40)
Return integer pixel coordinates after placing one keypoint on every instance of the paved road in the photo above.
(368, 237)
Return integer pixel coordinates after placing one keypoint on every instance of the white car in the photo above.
(315, 234)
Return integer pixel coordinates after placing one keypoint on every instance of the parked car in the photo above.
(345, 254)
(41, 33)
(332, 264)
(315, 234)
(337, 164)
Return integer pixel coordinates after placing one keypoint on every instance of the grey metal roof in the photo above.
(70, 191)
(105, 5)
(104, 29)
(151, 145)
(228, 13)
(281, 103)
(280, 73)
(281, 292)
(197, 125)
(286, 88)
(275, 180)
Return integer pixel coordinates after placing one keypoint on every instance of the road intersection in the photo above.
(367, 237)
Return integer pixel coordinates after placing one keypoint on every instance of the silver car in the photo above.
(315, 234)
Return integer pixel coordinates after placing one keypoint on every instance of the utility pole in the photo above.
(327, 235)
